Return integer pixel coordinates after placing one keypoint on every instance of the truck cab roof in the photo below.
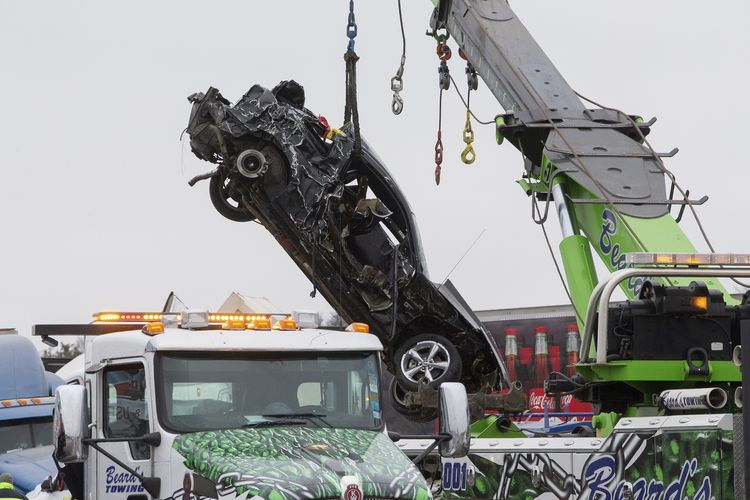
(22, 372)
(136, 343)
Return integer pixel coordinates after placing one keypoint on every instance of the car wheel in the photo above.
(224, 202)
(251, 164)
(431, 357)
(413, 413)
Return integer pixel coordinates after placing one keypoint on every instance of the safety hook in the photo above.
(443, 51)
(468, 155)
(397, 105)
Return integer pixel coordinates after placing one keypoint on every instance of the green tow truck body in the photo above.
(668, 420)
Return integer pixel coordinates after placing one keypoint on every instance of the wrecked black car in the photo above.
(345, 223)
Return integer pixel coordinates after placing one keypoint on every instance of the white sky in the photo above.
(94, 205)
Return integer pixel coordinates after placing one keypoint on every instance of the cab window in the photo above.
(224, 390)
(126, 406)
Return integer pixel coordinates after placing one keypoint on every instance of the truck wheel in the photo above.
(413, 413)
(224, 202)
(428, 356)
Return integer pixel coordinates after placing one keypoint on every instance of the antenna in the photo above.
(462, 257)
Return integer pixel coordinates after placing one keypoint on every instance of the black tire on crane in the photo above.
(224, 202)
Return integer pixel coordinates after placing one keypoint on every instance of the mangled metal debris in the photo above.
(345, 223)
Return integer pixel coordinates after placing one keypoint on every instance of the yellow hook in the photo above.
(468, 155)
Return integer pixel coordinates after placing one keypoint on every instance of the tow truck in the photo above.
(214, 405)
(26, 404)
(662, 369)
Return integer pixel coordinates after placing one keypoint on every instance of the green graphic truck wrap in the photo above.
(300, 462)
(639, 464)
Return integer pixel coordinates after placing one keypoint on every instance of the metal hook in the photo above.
(397, 105)
(468, 155)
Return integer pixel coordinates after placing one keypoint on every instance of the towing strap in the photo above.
(351, 112)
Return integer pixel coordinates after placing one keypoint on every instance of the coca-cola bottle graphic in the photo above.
(554, 358)
(541, 356)
(525, 355)
(511, 352)
(573, 345)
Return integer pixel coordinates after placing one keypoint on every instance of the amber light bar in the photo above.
(128, 317)
(146, 317)
(687, 259)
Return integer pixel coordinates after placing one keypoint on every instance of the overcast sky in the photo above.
(95, 209)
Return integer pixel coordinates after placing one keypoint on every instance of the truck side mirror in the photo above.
(70, 424)
(453, 418)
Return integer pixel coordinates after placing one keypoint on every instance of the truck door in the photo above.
(125, 412)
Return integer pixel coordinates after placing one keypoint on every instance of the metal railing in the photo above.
(600, 298)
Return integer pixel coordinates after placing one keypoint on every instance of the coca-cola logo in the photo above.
(538, 400)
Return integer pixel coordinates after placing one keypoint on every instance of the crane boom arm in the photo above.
(608, 188)
(513, 66)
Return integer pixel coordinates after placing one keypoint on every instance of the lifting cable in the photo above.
(351, 111)
(468, 155)
(667, 172)
(444, 53)
(575, 157)
(397, 84)
(534, 212)
(466, 105)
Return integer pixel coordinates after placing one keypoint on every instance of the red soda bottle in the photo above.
(541, 356)
(511, 352)
(573, 345)
(525, 355)
(554, 358)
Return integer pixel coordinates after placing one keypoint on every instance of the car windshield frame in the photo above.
(370, 363)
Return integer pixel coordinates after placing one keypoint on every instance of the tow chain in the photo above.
(444, 80)
(468, 155)
(397, 84)
(351, 111)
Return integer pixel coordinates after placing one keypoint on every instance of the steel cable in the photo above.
(666, 172)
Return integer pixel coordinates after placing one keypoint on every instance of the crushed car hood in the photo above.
(300, 462)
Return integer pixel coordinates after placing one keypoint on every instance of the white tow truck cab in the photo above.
(199, 405)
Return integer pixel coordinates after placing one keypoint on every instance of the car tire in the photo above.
(427, 356)
(223, 201)
(412, 413)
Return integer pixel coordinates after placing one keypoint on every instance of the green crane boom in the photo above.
(606, 186)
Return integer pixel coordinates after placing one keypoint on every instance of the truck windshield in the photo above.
(198, 392)
(20, 435)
